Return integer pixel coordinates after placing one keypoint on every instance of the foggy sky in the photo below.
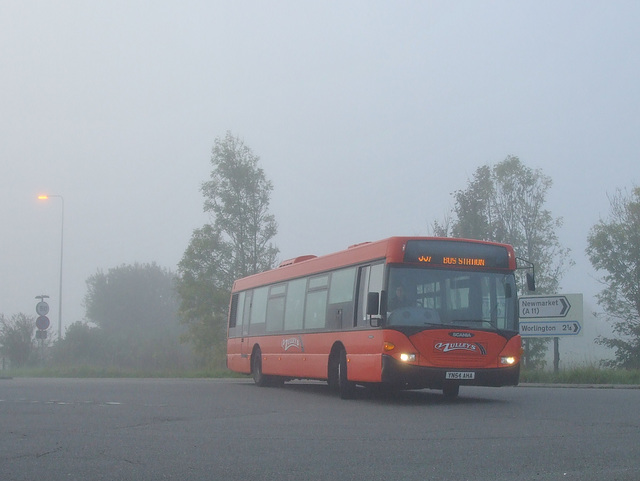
(366, 117)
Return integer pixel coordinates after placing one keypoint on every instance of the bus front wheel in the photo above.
(451, 390)
(346, 388)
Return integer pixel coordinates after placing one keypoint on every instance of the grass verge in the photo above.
(582, 375)
(114, 372)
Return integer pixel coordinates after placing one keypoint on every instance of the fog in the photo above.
(366, 117)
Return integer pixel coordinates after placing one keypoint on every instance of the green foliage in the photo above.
(237, 196)
(474, 208)
(235, 244)
(614, 248)
(133, 325)
(534, 352)
(17, 338)
(138, 296)
(81, 344)
(92, 348)
(505, 203)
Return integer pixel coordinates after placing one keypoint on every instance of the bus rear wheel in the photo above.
(256, 369)
(259, 378)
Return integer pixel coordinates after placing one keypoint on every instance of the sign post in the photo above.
(551, 316)
(42, 322)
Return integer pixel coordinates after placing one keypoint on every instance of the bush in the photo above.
(17, 343)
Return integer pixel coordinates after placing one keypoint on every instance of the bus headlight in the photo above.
(508, 360)
(404, 357)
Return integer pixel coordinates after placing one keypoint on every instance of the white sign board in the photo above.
(42, 308)
(550, 316)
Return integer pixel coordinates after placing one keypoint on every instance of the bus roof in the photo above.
(391, 249)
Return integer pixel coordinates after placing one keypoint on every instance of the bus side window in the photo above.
(258, 311)
(341, 291)
(294, 308)
(315, 313)
(375, 281)
(275, 307)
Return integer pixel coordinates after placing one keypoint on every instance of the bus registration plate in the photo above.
(460, 375)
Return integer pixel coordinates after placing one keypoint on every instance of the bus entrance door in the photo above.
(245, 352)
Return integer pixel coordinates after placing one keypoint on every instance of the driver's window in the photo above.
(370, 281)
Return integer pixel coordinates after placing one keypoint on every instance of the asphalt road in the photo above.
(153, 429)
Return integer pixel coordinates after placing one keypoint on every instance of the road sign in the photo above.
(538, 307)
(550, 316)
(42, 323)
(549, 328)
(42, 308)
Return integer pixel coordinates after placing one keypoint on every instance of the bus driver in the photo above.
(399, 299)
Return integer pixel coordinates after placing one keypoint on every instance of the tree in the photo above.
(135, 309)
(203, 287)
(16, 338)
(235, 244)
(505, 203)
(137, 296)
(613, 246)
(474, 208)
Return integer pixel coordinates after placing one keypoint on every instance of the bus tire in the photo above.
(332, 374)
(256, 369)
(346, 388)
(451, 390)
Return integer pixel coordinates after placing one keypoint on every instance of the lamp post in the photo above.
(46, 197)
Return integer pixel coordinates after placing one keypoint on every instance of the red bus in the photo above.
(400, 313)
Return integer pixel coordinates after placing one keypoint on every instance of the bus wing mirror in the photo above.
(373, 304)
(531, 282)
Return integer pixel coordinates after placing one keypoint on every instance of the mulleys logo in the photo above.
(460, 346)
(461, 335)
(292, 342)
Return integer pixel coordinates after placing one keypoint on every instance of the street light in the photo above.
(46, 197)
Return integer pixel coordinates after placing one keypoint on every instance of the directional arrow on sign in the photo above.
(539, 307)
(565, 306)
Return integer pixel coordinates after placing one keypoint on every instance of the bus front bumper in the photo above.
(406, 376)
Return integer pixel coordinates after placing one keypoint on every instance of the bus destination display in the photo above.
(462, 254)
